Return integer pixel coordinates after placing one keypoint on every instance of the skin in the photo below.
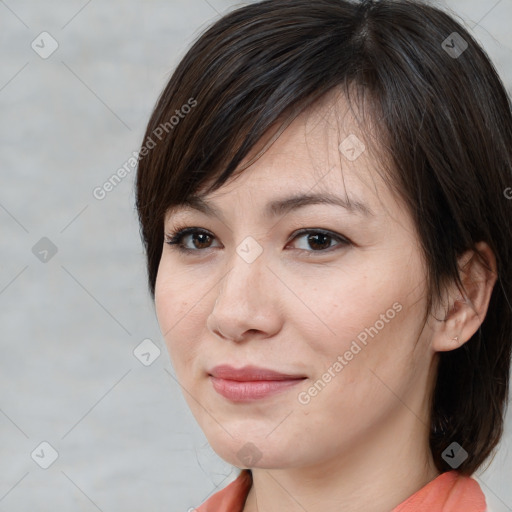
(361, 443)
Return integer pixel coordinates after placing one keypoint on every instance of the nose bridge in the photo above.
(245, 277)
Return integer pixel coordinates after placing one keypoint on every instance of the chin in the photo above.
(256, 453)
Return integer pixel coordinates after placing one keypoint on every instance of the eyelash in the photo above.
(175, 239)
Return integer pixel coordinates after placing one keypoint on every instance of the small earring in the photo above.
(455, 339)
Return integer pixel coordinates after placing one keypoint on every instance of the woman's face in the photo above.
(339, 308)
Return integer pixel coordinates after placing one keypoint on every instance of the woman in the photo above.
(321, 197)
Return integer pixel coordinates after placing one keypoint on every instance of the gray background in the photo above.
(125, 438)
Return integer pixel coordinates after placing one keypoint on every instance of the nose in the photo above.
(246, 303)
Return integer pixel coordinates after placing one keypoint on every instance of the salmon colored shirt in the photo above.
(449, 492)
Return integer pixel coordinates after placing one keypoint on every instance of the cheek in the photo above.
(374, 307)
(176, 299)
(178, 313)
(342, 304)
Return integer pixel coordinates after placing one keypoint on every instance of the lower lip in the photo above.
(250, 390)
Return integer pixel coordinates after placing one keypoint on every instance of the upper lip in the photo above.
(248, 373)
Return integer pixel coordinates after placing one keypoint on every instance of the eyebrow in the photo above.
(281, 206)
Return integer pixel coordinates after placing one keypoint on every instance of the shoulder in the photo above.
(449, 492)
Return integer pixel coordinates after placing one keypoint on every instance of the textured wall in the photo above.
(71, 319)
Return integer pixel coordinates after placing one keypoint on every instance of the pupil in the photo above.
(311, 239)
(199, 235)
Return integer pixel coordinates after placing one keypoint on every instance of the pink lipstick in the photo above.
(250, 382)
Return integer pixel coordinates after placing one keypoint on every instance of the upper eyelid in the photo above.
(186, 230)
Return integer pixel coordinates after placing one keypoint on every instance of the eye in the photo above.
(200, 235)
(319, 240)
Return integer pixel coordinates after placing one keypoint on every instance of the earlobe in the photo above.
(467, 310)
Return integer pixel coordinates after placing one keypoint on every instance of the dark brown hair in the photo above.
(444, 120)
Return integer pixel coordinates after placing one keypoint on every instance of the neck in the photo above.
(375, 475)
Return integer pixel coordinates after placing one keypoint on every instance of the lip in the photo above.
(250, 382)
(250, 373)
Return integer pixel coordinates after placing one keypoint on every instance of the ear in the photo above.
(467, 312)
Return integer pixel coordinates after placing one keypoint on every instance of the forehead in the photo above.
(323, 152)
